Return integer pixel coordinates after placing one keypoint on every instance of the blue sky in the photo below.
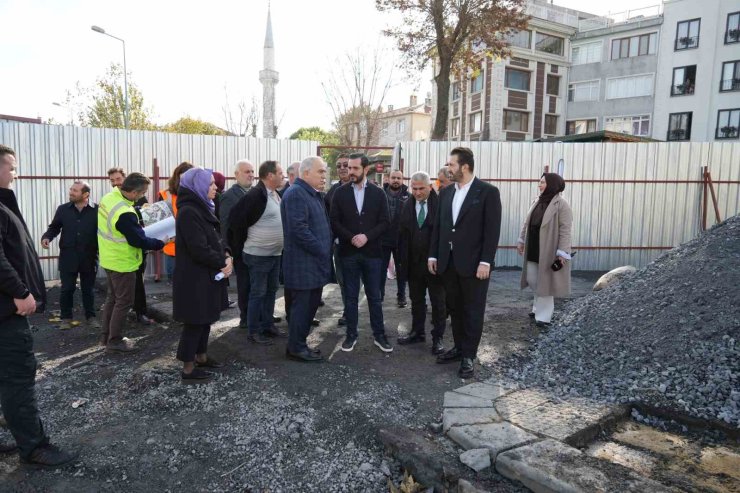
(182, 54)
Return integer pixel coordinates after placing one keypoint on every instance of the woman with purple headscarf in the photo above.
(203, 262)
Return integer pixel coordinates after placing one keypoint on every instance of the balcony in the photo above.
(685, 89)
(728, 85)
(727, 132)
(561, 16)
(686, 43)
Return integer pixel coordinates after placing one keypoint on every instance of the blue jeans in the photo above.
(264, 273)
(358, 267)
(169, 266)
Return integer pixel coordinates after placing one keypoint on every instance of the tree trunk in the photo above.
(441, 117)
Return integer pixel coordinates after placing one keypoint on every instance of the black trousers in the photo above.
(69, 286)
(466, 304)
(242, 290)
(400, 284)
(421, 281)
(303, 306)
(193, 340)
(17, 384)
(139, 292)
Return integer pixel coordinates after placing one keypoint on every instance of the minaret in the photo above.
(269, 78)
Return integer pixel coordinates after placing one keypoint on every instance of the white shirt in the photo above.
(360, 194)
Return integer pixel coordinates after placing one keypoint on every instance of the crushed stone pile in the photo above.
(667, 335)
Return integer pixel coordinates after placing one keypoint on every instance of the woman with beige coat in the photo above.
(546, 238)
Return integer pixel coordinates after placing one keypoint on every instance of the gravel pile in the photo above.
(668, 335)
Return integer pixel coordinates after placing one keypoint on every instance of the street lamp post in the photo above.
(100, 30)
(69, 108)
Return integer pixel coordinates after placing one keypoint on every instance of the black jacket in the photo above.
(226, 203)
(395, 204)
(78, 246)
(346, 222)
(413, 242)
(243, 216)
(330, 195)
(197, 298)
(20, 270)
(474, 237)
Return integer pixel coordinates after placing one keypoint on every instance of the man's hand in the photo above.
(45, 243)
(359, 241)
(432, 266)
(229, 267)
(26, 306)
(520, 249)
(563, 260)
(484, 271)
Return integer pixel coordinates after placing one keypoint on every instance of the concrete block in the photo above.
(464, 486)
(453, 399)
(459, 416)
(483, 390)
(520, 401)
(477, 459)
(496, 437)
(551, 466)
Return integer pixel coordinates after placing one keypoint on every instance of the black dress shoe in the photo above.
(306, 356)
(6, 448)
(412, 338)
(437, 347)
(209, 363)
(321, 303)
(196, 376)
(48, 455)
(531, 314)
(450, 356)
(467, 370)
(276, 320)
(274, 332)
(402, 303)
(342, 322)
(543, 325)
(315, 322)
(260, 339)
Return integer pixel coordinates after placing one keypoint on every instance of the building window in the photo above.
(687, 34)
(475, 122)
(730, 76)
(586, 53)
(644, 44)
(732, 33)
(476, 83)
(455, 127)
(517, 79)
(549, 44)
(728, 124)
(384, 128)
(683, 80)
(679, 126)
(633, 125)
(583, 91)
(575, 127)
(551, 124)
(553, 85)
(455, 91)
(629, 87)
(516, 121)
(520, 39)
(400, 126)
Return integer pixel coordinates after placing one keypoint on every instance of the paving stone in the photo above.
(520, 401)
(551, 466)
(574, 422)
(496, 437)
(453, 399)
(483, 390)
(637, 460)
(459, 416)
(477, 459)
(464, 486)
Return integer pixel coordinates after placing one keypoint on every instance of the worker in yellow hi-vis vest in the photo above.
(120, 242)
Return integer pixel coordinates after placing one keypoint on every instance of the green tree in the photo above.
(107, 103)
(323, 137)
(457, 34)
(187, 125)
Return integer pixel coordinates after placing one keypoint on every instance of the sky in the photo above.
(186, 55)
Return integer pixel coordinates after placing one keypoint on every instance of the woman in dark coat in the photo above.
(198, 297)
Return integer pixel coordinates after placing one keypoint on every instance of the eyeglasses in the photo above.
(340, 165)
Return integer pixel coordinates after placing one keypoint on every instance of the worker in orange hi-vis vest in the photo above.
(170, 196)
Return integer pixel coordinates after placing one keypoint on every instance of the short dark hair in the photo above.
(464, 156)
(6, 150)
(362, 157)
(266, 168)
(342, 156)
(174, 183)
(135, 182)
(85, 185)
(113, 171)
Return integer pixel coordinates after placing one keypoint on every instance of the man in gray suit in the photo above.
(244, 174)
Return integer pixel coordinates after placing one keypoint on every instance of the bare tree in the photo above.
(248, 120)
(458, 34)
(356, 89)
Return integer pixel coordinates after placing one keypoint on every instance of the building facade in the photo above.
(698, 83)
(413, 122)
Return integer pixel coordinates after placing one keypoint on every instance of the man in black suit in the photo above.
(416, 226)
(463, 248)
(359, 217)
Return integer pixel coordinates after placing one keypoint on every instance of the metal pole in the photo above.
(125, 87)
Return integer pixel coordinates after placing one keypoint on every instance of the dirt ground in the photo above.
(265, 423)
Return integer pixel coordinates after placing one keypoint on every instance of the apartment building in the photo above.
(697, 92)
(413, 122)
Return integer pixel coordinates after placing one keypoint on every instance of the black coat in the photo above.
(346, 222)
(474, 237)
(78, 246)
(197, 298)
(414, 242)
(245, 214)
(395, 205)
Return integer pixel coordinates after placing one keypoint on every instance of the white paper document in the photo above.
(161, 230)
